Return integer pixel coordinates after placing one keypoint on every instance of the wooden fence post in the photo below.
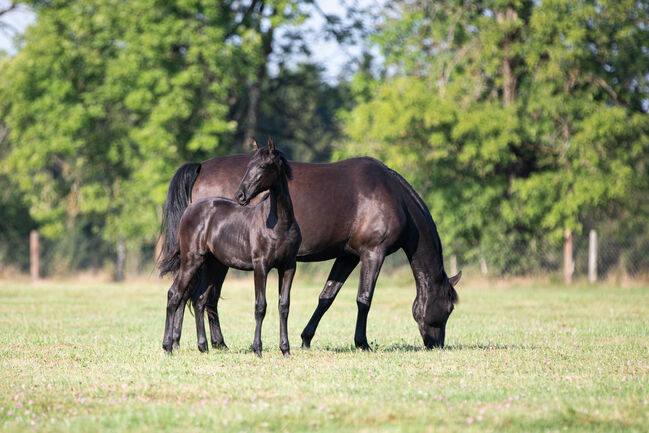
(121, 258)
(592, 256)
(158, 247)
(483, 265)
(453, 264)
(568, 263)
(34, 253)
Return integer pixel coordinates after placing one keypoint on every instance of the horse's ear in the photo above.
(455, 279)
(271, 145)
(254, 143)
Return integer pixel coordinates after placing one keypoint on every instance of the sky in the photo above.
(325, 52)
(14, 21)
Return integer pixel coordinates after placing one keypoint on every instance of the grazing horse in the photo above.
(254, 238)
(352, 210)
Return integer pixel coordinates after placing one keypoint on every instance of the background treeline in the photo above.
(515, 120)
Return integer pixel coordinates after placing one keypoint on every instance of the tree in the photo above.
(298, 108)
(106, 99)
(514, 119)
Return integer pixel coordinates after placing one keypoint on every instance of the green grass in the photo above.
(87, 357)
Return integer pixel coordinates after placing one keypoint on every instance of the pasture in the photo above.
(80, 356)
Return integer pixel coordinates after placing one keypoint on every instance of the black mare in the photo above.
(226, 234)
(356, 210)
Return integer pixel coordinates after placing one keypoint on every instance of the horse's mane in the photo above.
(452, 294)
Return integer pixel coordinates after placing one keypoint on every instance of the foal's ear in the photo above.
(254, 143)
(455, 279)
(271, 145)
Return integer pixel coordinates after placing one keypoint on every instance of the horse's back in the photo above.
(341, 207)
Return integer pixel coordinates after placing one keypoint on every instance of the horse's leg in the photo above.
(174, 299)
(370, 268)
(343, 266)
(260, 305)
(285, 281)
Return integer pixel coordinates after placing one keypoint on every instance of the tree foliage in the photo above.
(514, 119)
(105, 99)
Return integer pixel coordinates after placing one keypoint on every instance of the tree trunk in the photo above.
(510, 80)
(251, 115)
(254, 88)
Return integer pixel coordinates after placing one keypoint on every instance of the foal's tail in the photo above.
(178, 196)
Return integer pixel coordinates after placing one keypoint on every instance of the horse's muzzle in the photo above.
(433, 337)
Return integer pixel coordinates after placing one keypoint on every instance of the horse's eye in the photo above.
(263, 166)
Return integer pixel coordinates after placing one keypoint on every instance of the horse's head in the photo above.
(266, 169)
(432, 313)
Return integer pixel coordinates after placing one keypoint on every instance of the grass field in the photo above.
(87, 357)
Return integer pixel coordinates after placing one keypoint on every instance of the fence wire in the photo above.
(626, 257)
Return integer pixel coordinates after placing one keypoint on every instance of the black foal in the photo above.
(256, 238)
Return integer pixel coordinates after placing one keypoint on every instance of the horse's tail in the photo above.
(178, 197)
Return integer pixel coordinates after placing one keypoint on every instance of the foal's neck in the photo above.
(281, 203)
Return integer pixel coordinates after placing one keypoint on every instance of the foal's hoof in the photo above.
(220, 346)
(287, 354)
(175, 345)
(306, 343)
(203, 347)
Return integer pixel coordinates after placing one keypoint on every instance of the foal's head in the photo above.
(267, 168)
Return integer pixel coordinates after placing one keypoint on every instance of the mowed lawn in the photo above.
(87, 357)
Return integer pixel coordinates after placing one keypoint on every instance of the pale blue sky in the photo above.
(325, 52)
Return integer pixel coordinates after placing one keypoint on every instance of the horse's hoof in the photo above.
(220, 346)
(203, 347)
(175, 345)
(287, 354)
(364, 347)
(306, 343)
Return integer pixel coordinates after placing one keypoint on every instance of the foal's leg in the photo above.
(285, 281)
(175, 295)
(215, 272)
(260, 304)
(370, 266)
(173, 299)
(201, 292)
(199, 287)
(178, 321)
(343, 266)
(212, 308)
(192, 290)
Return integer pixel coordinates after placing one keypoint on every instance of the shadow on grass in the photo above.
(406, 347)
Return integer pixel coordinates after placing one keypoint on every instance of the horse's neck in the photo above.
(425, 254)
(281, 204)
